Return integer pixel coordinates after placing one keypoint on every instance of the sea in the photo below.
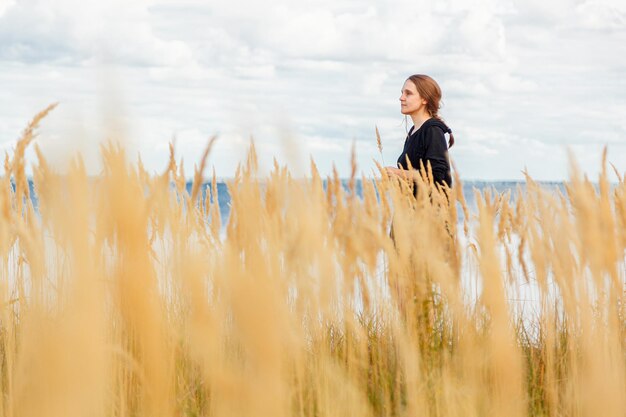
(470, 188)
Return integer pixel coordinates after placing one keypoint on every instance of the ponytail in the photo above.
(451, 140)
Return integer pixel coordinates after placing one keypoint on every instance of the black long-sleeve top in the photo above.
(428, 144)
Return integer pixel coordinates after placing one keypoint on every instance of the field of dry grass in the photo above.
(125, 295)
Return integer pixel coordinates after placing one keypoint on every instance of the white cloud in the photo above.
(5, 5)
(602, 14)
(74, 31)
(483, 34)
(373, 82)
(513, 84)
(521, 79)
(458, 87)
(543, 12)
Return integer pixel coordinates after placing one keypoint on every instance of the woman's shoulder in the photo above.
(436, 129)
(424, 127)
(434, 124)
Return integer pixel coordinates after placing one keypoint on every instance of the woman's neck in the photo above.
(419, 119)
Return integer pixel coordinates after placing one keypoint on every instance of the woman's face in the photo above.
(410, 100)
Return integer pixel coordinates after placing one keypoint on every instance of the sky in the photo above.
(525, 83)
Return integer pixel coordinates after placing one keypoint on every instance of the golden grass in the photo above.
(121, 298)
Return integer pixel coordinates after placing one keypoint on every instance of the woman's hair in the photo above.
(430, 91)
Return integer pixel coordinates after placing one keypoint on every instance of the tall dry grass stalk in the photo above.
(123, 295)
(379, 145)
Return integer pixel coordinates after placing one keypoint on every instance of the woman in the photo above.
(425, 143)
